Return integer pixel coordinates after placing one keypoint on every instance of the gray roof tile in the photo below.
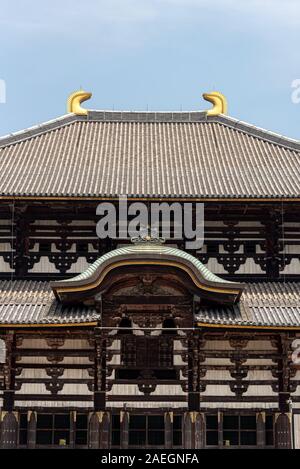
(31, 302)
(153, 154)
(262, 304)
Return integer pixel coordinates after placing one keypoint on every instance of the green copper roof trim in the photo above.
(148, 248)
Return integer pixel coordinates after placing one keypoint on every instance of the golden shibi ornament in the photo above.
(218, 100)
(74, 102)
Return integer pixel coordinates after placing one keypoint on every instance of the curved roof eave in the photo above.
(147, 254)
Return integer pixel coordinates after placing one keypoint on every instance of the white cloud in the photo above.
(106, 23)
(286, 12)
(131, 23)
(69, 15)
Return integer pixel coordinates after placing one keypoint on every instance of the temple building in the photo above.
(145, 343)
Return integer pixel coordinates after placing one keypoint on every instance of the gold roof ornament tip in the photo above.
(218, 100)
(74, 102)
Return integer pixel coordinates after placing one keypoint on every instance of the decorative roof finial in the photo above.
(147, 236)
(218, 100)
(74, 102)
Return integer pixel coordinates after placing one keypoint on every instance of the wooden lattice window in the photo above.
(23, 429)
(53, 429)
(146, 430)
(81, 430)
(147, 352)
(237, 430)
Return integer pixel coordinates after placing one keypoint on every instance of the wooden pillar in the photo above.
(168, 430)
(194, 372)
(104, 430)
(261, 429)
(220, 429)
(72, 429)
(283, 434)
(273, 228)
(124, 429)
(100, 371)
(284, 372)
(283, 431)
(9, 430)
(187, 430)
(31, 429)
(194, 430)
(94, 431)
(199, 431)
(9, 372)
(9, 419)
(21, 246)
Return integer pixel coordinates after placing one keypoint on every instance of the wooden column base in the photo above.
(194, 430)
(283, 438)
(9, 430)
(94, 430)
(124, 427)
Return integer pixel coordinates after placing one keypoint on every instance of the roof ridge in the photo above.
(39, 129)
(260, 132)
(151, 117)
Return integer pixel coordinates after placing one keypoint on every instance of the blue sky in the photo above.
(150, 54)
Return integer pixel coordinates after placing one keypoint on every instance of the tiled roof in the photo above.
(106, 154)
(262, 304)
(31, 302)
(152, 250)
(145, 252)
